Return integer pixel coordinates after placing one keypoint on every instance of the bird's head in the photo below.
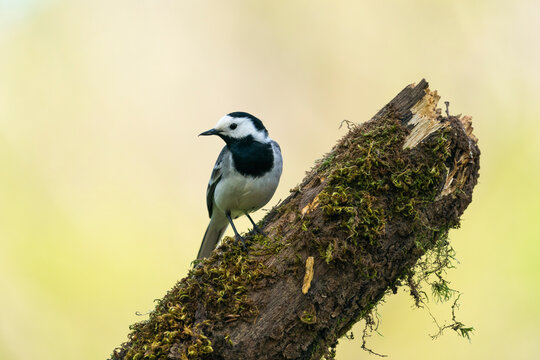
(239, 125)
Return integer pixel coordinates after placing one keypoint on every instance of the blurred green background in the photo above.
(103, 177)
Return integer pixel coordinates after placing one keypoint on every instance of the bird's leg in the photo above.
(236, 234)
(255, 227)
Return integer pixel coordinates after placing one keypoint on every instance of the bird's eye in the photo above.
(233, 126)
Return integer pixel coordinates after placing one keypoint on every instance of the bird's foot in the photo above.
(238, 238)
(257, 230)
(260, 232)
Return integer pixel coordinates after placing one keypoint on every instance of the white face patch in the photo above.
(238, 128)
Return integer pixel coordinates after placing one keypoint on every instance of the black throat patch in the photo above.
(250, 157)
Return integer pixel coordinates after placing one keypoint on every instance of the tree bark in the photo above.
(351, 232)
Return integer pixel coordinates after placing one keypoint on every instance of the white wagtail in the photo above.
(245, 176)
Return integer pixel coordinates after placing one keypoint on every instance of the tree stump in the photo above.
(351, 232)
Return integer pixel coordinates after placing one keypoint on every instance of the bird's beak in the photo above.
(210, 132)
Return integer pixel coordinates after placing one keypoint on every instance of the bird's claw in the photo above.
(238, 239)
(257, 230)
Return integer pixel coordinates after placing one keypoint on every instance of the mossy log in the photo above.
(351, 232)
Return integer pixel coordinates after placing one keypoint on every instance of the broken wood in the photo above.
(351, 232)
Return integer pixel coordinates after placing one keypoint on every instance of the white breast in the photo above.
(244, 194)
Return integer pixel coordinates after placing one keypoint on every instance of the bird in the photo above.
(244, 178)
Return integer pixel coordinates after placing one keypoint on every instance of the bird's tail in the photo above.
(214, 232)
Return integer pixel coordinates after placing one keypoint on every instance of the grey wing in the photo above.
(279, 159)
(276, 145)
(214, 180)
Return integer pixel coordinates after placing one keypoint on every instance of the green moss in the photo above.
(328, 253)
(325, 162)
(375, 182)
(430, 271)
(309, 317)
(172, 327)
(356, 193)
(266, 245)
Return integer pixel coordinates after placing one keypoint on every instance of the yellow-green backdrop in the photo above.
(103, 177)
